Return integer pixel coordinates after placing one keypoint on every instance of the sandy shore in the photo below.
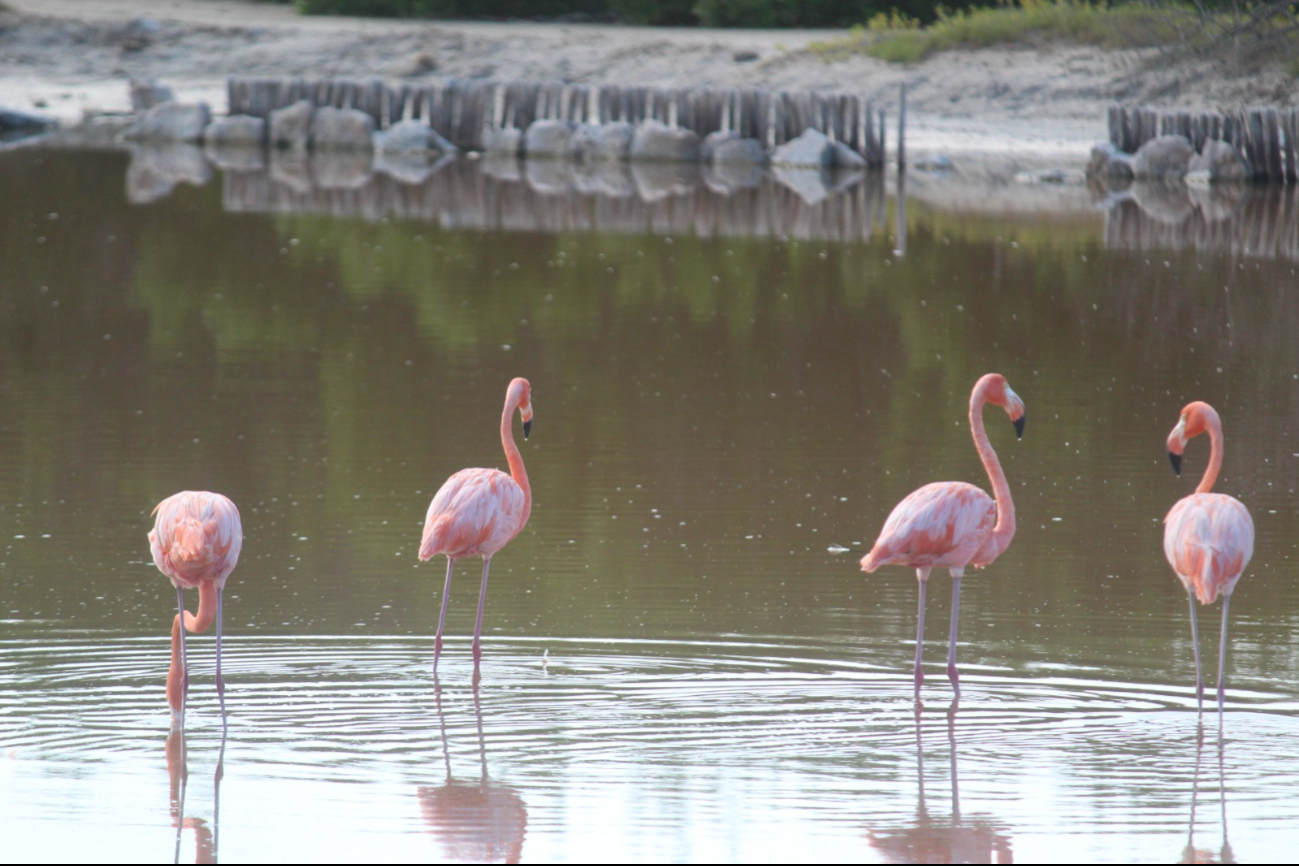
(69, 57)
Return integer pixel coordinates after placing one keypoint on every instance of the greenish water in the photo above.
(675, 664)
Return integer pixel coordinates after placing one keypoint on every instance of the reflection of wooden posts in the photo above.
(902, 130)
(901, 248)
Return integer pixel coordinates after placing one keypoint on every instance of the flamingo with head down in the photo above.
(951, 524)
(195, 541)
(478, 511)
(1208, 537)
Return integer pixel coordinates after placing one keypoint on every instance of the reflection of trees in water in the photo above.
(475, 821)
(1192, 854)
(205, 837)
(954, 839)
(1244, 220)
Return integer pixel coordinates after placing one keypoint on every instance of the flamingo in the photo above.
(949, 524)
(195, 541)
(478, 511)
(1208, 537)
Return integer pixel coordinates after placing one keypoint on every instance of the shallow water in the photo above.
(675, 664)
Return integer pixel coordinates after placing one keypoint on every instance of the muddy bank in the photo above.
(1014, 109)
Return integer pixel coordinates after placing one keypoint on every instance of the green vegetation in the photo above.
(1266, 30)
(901, 39)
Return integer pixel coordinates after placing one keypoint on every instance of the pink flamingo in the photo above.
(1208, 537)
(478, 511)
(195, 542)
(949, 524)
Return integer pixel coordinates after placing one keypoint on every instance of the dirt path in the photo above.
(64, 57)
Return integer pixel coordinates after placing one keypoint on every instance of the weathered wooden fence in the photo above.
(459, 109)
(1267, 137)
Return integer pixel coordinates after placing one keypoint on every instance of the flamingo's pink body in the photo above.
(951, 524)
(478, 511)
(195, 541)
(1208, 537)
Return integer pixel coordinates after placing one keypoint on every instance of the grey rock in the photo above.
(1220, 163)
(727, 178)
(146, 93)
(290, 127)
(1109, 164)
(411, 136)
(810, 150)
(22, 123)
(712, 140)
(548, 138)
(654, 141)
(171, 122)
(506, 141)
(342, 129)
(846, 157)
(238, 129)
(156, 169)
(728, 147)
(602, 142)
(1164, 157)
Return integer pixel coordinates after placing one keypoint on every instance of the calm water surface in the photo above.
(676, 665)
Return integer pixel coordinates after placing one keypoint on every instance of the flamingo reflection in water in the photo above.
(475, 821)
(1191, 854)
(935, 840)
(205, 837)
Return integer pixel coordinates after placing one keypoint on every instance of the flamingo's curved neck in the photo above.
(1214, 427)
(196, 623)
(1004, 531)
(517, 470)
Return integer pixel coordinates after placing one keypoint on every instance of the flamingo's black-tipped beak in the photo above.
(1176, 460)
(527, 428)
(1019, 426)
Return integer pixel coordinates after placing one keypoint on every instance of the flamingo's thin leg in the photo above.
(220, 680)
(184, 660)
(952, 673)
(482, 600)
(1195, 644)
(923, 575)
(1222, 656)
(442, 618)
